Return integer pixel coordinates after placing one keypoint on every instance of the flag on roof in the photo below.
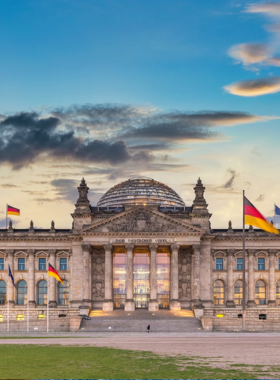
(277, 210)
(12, 210)
(53, 273)
(254, 218)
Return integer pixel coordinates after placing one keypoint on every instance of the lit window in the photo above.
(42, 292)
(239, 264)
(238, 292)
(41, 316)
(20, 317)
(42, 264)
(119, 279)
(1, 264)
(163, 280)
(219, 293)
(63, 293)
(261, 263)
(3, 292)
(260, 293)
(1, 318)
(22, 292)
(21, 264)
(63, 264)
(219, 264)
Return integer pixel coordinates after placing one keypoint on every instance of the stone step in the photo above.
(140, 325)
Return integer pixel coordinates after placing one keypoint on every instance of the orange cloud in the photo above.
(254, 87)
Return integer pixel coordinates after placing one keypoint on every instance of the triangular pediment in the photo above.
(141, 219)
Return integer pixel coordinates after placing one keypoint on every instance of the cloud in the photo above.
(8, 186)
(269, 8)
(249, 54)
(188, 126)
(230, 182)
(255, 87)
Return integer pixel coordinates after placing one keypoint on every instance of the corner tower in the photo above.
(200, 215)
(82, 213)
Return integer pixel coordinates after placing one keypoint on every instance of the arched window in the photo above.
(238, 292)
(42, 292)
(219, 293)
(22, 292)
(63, 293)
(3, 292)
(278, 292)
(260, 293)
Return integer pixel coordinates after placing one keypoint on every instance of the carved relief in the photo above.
(141, 221)
(184, 261)
(98, 274)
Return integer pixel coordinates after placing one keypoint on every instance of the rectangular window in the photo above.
(63, 264)
(239, 264)
(42, 264)
(219, 264)
(21, 264)
(261, 263)
(1, 264)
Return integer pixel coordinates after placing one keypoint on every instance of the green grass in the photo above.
(62, 362)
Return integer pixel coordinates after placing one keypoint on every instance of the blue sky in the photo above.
(159, 56)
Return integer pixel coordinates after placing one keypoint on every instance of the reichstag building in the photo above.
(140, 247)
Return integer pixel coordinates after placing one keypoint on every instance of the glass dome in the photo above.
(141, 190)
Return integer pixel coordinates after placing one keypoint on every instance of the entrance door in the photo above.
(141, 282)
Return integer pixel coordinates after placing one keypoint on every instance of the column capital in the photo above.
(108, 247)
(51, 252)
(175, 247)
(31, 252)
(129, 247)
(230, 252)
(272, 252)
(251, 252)
(86, 247)
(153, 248)
(10, 252)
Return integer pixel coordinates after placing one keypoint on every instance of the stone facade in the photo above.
(184, 232)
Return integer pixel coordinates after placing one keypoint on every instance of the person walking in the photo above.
(148, 328)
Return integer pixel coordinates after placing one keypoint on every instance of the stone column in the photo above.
(272, 286)
(10, 261)
(196, 301)
(174, 279)
(129, 302)
(86, 277)
(108, 304)
(52, 281)
(230, 293)
(251, 280)
(153, 304)
(31, 277)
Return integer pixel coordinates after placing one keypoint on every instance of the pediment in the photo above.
(142, 220)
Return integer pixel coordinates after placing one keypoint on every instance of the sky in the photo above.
(112, 89)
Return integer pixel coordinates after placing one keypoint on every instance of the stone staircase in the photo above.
(138, 320)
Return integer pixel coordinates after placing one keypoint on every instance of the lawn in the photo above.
(62, 362)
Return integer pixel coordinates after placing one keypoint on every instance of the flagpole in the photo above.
(6, 216)
(8, 307)
(274, 217)
(244, 256)
(48, 307)
(28, 309)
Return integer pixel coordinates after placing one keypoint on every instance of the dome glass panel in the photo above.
(142, 190)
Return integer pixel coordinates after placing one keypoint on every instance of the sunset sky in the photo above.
(111, 89)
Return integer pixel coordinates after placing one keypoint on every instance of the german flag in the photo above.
(254, 218)
(53, 273)
(12, 210)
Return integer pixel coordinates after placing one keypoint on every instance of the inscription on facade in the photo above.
(142, 241)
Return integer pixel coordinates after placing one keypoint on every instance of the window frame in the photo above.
(218, 293)
(25, 292)
(3, 301)
(19, 264)
(2, 264)
(62, 264)
(217, 265)
(260, 265)
(60, 286)
(262, 299)
(238, 265)
(42, 293)
(42, 258)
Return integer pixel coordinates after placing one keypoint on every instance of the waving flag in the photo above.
(254, 218)
(53, 273)
(12, 210)
(12, 277)
(276, 210)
